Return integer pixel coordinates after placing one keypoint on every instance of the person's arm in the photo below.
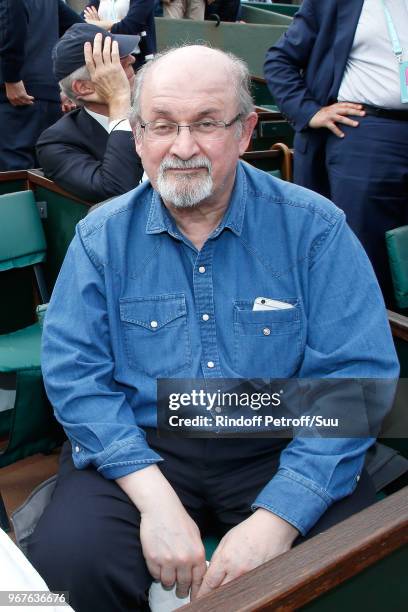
(285, 62)
(78, 369)
(348, 336)
(171, 541)
(137, 18)
(108, 76)
(74, 169)
(79, 373)
(284, 66)
(13, 33)
(135, 21)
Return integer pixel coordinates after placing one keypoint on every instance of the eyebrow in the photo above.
(165, 113)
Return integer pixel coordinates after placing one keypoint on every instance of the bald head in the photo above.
(192, 117)
(194, 69)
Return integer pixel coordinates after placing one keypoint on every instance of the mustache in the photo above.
(183, 164)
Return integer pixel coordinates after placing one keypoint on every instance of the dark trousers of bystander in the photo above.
(367, 177)
(21, 127)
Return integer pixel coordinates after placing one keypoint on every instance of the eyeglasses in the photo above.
(206, 130)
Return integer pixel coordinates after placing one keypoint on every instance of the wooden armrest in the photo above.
(265, 114)
(399, 325)
(278, 150)
(35, 179)
(13, 175)
(258, 79)
(287, 173)
(318, 565)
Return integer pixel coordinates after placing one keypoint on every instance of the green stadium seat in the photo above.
(31, 425)
(397, 246)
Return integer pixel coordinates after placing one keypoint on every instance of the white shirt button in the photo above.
(358, 477)
(153, 324)
(266, 331)
(77, 449)
(201, 269)
(211, 364)
(205, 317)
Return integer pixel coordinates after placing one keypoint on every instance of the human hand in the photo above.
(258, 539)
(17, 95)
(328, 116)
(172, 547)
(108, 76)
(171, 540)
(66, 104)
(91, 14)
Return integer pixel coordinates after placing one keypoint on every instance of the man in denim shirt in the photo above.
(161, 282)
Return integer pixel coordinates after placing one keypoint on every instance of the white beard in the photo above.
(184, 190)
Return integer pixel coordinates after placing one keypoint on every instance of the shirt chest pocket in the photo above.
(267, 343)
(155, 332)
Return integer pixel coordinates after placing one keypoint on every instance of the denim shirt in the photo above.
(129, 266)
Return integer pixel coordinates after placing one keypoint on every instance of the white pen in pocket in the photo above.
(262, 303)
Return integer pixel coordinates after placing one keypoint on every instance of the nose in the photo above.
(184, 146)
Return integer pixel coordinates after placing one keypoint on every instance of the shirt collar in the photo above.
(103, 120)
(159, 219)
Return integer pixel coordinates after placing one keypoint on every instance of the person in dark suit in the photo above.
(137, 19)
(29, 94)
(90, 152)
(335, 75)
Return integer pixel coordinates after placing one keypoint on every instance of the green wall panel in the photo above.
(250, 41)
(283, 9)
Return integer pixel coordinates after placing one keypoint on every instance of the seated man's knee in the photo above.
(91, 561)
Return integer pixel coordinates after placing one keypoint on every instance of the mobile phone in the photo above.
(262, 303)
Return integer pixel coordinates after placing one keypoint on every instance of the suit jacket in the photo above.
(28, 31)
(80, 156)
(304, 71)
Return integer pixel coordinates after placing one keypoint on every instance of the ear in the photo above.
(247, 128)
(82, 89)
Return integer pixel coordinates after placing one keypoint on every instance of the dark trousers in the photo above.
(87, 541)
(21, 127)
(366, 175)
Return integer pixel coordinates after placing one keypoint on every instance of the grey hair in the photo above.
(80, 74)
(239, 72)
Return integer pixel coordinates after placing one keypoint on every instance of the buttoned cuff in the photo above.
(307, 111)
(119, 459)
(296, 499)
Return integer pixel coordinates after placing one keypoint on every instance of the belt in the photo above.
(386, 113)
